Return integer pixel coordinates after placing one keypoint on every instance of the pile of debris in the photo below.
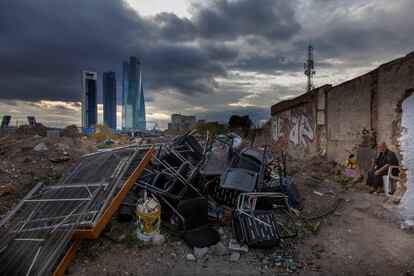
(219, 184)
(194, 187)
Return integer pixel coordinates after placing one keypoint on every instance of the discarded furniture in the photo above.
(188, 146)
(289, 188)
(263, 219)
(193, 220)
(239, 179)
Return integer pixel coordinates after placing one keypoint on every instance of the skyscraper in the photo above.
(109, 99)
(88, 98)
(133, 103)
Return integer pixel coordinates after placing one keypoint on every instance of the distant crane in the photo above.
(154, 131)
(309, 68)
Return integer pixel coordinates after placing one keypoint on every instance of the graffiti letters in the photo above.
(301, 132)
(277, 128)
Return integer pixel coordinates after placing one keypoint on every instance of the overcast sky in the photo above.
(208, 58)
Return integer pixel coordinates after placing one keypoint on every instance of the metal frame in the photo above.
(38, 230)
(246, 205)
(82, 234)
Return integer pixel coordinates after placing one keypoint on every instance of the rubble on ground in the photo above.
(28, 159)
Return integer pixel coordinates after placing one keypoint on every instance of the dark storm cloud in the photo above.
(186, 69)
(216, 51)
(174, 28)
(361, 33)
(227, 20)
(268, 64)
(45, 44)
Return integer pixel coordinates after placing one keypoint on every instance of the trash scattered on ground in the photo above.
(190, 257)
(58, 159)
(235, 257)
(318, 193)
(199, 253)
(408, 224)
(40, 147)
(235, 246)
(158, 239)
(219, 249)
(6, 190)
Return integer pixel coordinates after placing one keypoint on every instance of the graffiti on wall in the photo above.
(301, 131)
(278, 124)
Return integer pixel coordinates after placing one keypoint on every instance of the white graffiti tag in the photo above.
(277, 128)
(301, 132)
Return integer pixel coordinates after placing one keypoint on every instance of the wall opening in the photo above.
(407, 152)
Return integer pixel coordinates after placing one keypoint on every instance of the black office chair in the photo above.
(193, 221)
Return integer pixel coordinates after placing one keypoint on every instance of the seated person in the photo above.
(385, 159)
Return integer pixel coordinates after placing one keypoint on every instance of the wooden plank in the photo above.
(69, 257)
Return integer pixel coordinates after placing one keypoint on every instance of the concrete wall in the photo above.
(294, 130)
(348, 116)
(407, 151)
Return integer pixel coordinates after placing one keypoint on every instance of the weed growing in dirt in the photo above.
(20, 191)
(343, 183)
(312, 184)
(131, 241)
(313, 227)
(103, 146)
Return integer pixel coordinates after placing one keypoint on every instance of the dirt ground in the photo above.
(357, 238)
(21, 167)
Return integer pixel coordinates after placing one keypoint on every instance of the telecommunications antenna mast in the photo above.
(309, 68)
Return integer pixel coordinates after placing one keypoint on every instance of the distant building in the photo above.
(88, 98)
(133, 103)
(32, 121)
(109, 99)
(181, 122)
(176, 118)
(5, 121)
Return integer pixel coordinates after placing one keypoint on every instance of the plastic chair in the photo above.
(388, 179)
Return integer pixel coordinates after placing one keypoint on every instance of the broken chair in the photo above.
(192, 220)
(263, 219)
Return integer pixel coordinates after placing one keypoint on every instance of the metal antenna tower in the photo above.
(309, 68)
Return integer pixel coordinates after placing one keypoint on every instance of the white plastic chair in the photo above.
(386, 179)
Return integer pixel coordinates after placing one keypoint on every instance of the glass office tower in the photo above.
(88, 98)
(125, 77)
(109, 99)
(133, 105)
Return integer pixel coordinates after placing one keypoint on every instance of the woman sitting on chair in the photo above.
(385, 159)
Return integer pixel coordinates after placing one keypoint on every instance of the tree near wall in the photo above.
(212, 127)
(240, 123)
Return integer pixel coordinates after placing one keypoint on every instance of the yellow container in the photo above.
(148, 213)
